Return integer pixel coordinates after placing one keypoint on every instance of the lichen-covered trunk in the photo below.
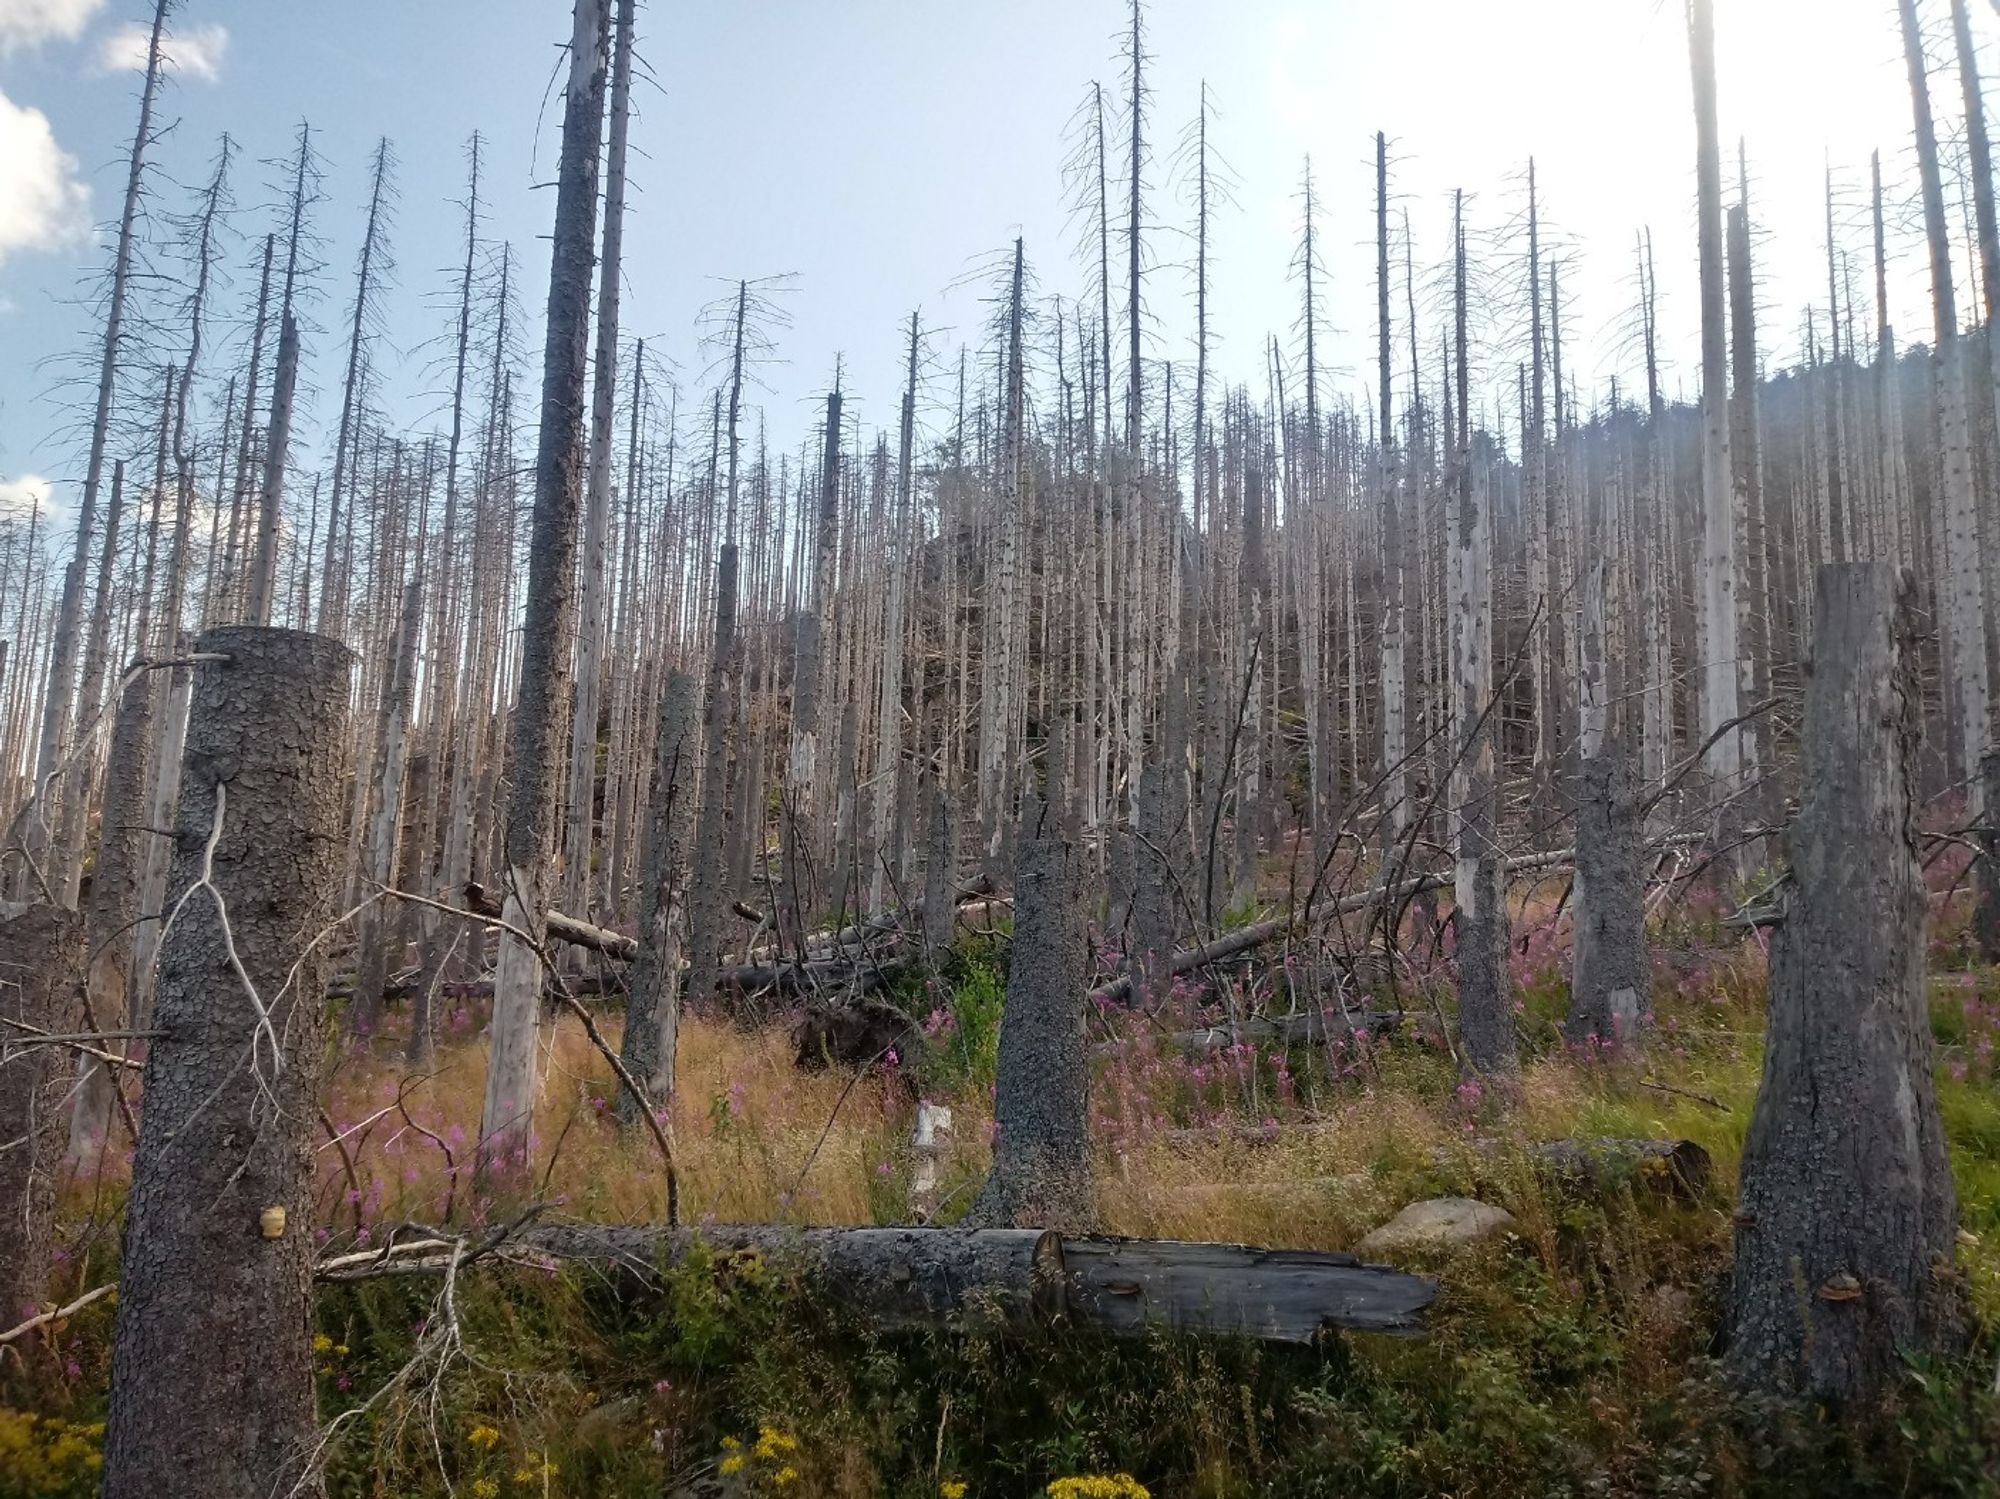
(1847, 1217)
(212, 1363)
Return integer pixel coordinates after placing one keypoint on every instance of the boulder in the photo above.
(1440, 1223)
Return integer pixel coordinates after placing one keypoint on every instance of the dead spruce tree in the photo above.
(652, 1013)
(1846, 1216)
(212, 1362)
(540, 733)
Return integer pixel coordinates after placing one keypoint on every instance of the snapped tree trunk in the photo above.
(212, 1363)
(1847, 1215)
(41, 979)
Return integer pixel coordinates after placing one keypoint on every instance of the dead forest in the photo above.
(1445, 920)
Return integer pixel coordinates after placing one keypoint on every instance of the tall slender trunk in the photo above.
(507, 1116)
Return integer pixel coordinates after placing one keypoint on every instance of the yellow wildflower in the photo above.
(483, 1435)
(733, 1464)
(1099, 1486)
(952, 1488)
(321, 1343)
(784, 1475)
(772, 1442)
(730, 1444)
(485, 1488)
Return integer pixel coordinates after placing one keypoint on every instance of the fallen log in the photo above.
(1678, 1169)
(922, 1277)
(563, 928)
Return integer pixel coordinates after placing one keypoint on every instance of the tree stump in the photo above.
(212, 1366)
(1847, 1215)
(1610, 982)
(41, 984)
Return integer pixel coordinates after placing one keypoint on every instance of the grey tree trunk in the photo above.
(652, 1013)
(1041, 1150)
(1609, 983)
(41, 979)
(1847, 1216)
(540, 734)
(377, 928)
(940, 867)
(212, 1363)
(1986, 910)
(264, 565)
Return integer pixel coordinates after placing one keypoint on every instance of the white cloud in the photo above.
(196, 52)
(44, 204)
(29, 23)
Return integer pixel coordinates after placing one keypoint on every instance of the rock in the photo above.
(1441, 1223)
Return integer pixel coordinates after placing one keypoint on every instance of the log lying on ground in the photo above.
(1677, 1169)
(562, 928)
(921, 1277)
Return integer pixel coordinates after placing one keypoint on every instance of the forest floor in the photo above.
(1572, 1354)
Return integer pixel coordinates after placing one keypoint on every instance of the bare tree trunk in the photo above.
(212, 1364)
(591, 625)
(802, 844)
(1479, 896)
(1610, 979)
(1847, 1218)
(652, 1014)
(507, 1116)
(376, 928)
(1721, 667)
(41, 979)
(264, 567)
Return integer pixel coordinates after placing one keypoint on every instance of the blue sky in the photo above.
(880, 149)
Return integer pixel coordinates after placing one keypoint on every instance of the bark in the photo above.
(212, 1363)
(652, 1014)
(1986, 910)
(1847, 1217)
(1041, 1151)
(540, 737)
(41, 980)
(90, 695)
(940, 870)
(1610, 978)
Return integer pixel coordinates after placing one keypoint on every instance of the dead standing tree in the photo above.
(540, 737)
(1847, 1216)
(212, 1364)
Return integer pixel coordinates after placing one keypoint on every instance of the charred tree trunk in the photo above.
(1847, 1216)
(212, 1365)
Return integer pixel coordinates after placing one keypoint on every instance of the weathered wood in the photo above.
(560, 927)
(1611, 978)
(1133, 1286)
(1847, 1215)
(921, 1278)
(1306, 1028)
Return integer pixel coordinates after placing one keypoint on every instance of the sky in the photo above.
(881, 153)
